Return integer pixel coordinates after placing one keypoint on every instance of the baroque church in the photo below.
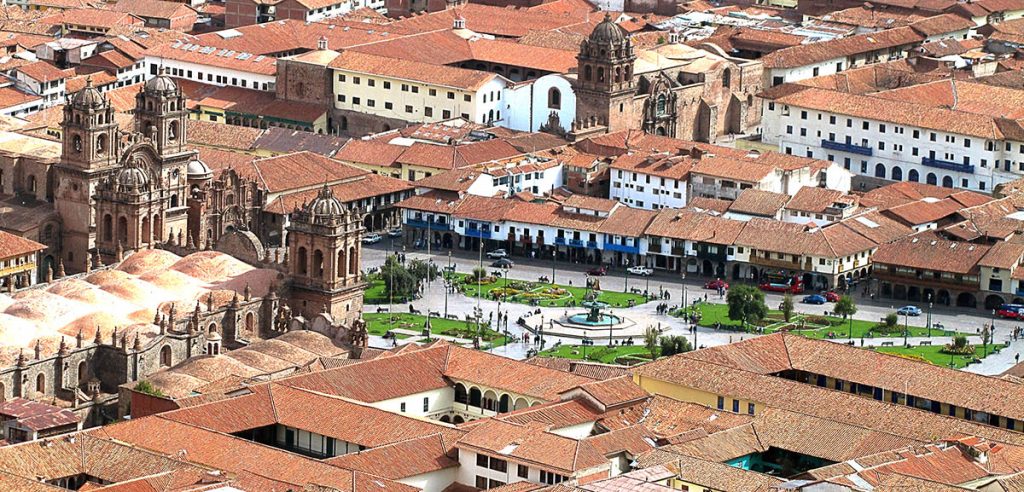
(149, 233)
(671, 89)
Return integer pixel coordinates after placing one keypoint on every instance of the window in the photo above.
(498, 465)
(522, 471)
(467, 97)
(355, 100)
(426, 404)
(371, 82)
(735, 406)
(451, 95)
(387, 85)
(881, 128)
(554, 98)
(789, 129)
(388, 105)
(402, 407)
(408, 109)
(405, 87)
(967, 143)
(750, 408)
(803, 115)
(428, 111)
(371, 103)
(433, 92)
(771, 106)
(721, 403)
(865, 126)
(446, 114)
(481, 460)
(415, 89)
(481, 482)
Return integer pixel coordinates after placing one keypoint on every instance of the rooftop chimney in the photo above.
(321, 44)
(460, 22)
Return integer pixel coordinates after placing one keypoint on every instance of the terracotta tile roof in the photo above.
(533, 444)
(615, 392)
(759, 202)
(402, 459)
(10, 96)
(372, 152)
(440, 75)
(807, 54)
(627, 222)
(932, 254)
(92, 17)
(157, 9)
(586, 369)
(212, 57)
(37, 416)
(432, 201)
(670, 419)
(301, 170)
(700, 203)
(694, 226)
(43, 71)
(559, 40)
(709, 474)
(279, 139)
(526, 56)
(499, 372)
(451, 157)
(814, 199)
(924, 211)
(1003, 255)
(732, 169)
(351, 191)
(905, 191)
(212, 134)
(665, 165)
(943, 24)
(11, 246)
(499, 21)
(555, 415)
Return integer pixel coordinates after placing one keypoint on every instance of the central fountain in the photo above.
(594, 318)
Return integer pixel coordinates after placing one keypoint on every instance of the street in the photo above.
(959, 320)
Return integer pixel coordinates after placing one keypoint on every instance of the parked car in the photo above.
(814, 299)
(371, 238)
(831, 296)
(503, 263)
(597, 271)
(497, 254)
(395, 233)
(640, 270)
(716, 285)
(909, 311)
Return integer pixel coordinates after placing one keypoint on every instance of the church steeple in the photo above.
(605, 86)
(89, 132)
(161, 114)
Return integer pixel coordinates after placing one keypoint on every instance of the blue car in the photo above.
(909, 311)
(814, 299)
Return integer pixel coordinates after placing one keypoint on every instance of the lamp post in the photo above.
(610, 324)
(446, 287)
(684, 305)
(626, 276)
(906, 326)
(554, 253)
(586, 341)
(929, 321)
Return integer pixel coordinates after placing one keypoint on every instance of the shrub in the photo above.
(147, 388)
(958, 346)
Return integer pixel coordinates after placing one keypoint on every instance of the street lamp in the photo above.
(586, 341)
(906, 326)
(929, 315)
(611, 320)
(554, 253)
(682, 280)
(447, 287)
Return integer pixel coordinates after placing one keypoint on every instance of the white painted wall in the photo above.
(528, 105)
(640, 190)
(435, 481)
(209, 74)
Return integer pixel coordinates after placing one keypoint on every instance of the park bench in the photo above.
(887, 344)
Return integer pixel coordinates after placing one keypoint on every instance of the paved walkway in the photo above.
(646, 315)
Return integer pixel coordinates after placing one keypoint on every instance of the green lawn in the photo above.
(375, 292)
(934, 355)
(548, 295)
(599, 353)
(810, 326)
(379, 324)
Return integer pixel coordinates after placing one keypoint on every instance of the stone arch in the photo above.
(342, 265)
(896, 173)
(244, 245)
(166, 357)
(445, 419)
(993, 301)
(490, 400)
(101, 143)
(301, 263)
(475, 395)
(353, 261)
(600, 74)
(32, 183)
(554, 98)
(41, 383)
(504, 403)
(520, 404)
(250, 322)
(879, 170)
(158, 227)
(458, 419)
(3, 392)
(76, 143)
(145, 229)
(83, 373)
(122, 229)
(966, 299)
(461, 394)
(108, 227)
(172, 131)
(931, 179)
(913, 176)
(210, 330)
(947, 181)
(318, 263)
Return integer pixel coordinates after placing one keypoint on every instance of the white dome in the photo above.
(198, 168)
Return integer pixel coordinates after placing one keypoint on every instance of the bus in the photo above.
(780, 282)
(1014, 311)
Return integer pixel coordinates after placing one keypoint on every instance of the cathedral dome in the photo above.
(198, 169)
(131, 179)
(607, 32)
(161, 83)
(88, 97)
(325, 205)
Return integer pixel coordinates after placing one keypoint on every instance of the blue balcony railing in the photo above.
(480, 233)
(576, 242)
(560, 240)
(846, 147)
(948, 165)
(592, 244)
(433, 225)
(622, 248)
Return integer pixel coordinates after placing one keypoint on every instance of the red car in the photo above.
(717, 284)
(831, 296)
(597, 272)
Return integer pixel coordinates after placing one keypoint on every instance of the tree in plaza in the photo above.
(675, 344)
(746, 304)
(787, 306)
(845, 307)
(479, 273)
(422, 270)
(651, 340)
(398, 281)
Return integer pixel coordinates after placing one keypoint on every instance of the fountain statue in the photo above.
(594, 316)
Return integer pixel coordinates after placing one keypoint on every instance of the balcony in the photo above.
(592, 244)
(947, 165)
(576, 242)
(775, 263)
(622, 248)
(846, 147)
(425, 224)
(653, 247)
(480, 233)
(560, 240)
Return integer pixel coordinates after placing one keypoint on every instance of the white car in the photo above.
(497, 254)
(371, 238)
(640, 270)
